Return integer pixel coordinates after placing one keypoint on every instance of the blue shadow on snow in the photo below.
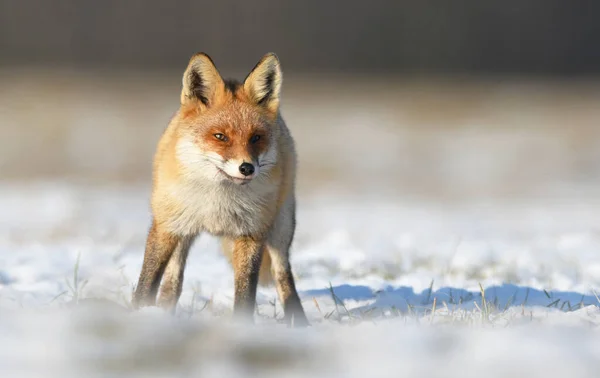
(503, 296)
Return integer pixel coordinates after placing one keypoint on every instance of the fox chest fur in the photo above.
(220, 209)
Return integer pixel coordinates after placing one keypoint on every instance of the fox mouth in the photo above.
(237, 180)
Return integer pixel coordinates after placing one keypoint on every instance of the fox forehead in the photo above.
(235, 118)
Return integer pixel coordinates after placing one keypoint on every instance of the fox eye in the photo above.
(254, 139)
(220, 137)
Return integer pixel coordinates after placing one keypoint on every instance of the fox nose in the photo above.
(246, 169)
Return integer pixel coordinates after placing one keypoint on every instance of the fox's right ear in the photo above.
(201, 81)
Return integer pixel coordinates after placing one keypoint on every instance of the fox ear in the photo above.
(201, 81)
(263, 84)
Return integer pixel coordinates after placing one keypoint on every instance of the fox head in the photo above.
(228, 130)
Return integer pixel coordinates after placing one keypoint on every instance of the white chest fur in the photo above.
(221, 208)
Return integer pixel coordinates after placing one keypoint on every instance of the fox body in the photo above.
(225, 165)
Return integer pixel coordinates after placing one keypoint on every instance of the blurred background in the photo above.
(431, 99)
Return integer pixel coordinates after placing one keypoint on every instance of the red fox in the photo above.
(225, 165)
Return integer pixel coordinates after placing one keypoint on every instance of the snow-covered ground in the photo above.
(407, 278)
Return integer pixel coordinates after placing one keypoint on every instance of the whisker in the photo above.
(266, 163)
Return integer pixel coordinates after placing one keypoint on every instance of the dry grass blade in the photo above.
(429, 292)
(335, 302)
(555, 303)
(336, 299)
(317, 306)
(484, 304)
(433, 310)
(510, 300)
(58, 296)
(76, 272)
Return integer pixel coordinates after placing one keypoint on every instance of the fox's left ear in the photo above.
(263, 84)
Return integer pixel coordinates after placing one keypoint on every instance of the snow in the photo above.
(407, 278)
